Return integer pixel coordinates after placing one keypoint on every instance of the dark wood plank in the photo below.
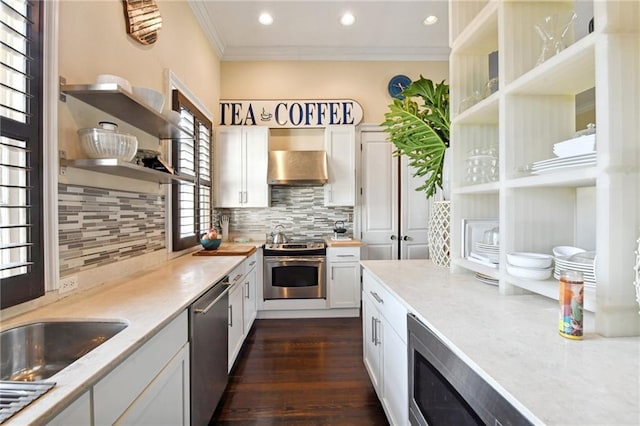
(301, 372)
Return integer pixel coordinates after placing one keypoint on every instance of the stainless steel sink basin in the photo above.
(39, 350)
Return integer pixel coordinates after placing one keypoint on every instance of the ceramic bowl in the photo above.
(150, 97)
(566, 251)
(529, 273)
(107, 143)
(211, 244)
(530, 260)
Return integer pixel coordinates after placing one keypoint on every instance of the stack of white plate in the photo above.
(561, 163)
(583, 262)
(533, 266)
(486, 279)
(580, 145)
(486, 252)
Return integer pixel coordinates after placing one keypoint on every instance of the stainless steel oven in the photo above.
(294, 271)
(444, 390)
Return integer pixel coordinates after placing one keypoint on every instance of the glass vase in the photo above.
(553, 31)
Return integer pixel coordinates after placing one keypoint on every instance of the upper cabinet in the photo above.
(241, 154)
(594, 205)
(340, 142)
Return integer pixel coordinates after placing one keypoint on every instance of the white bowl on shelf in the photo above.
(110, 79)
(529, 273)
(566, 251)
(107, 143)
(150, 97)
(530, 260)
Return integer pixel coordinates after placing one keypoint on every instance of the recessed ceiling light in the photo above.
(265, 19)
(347, 19)
(430, 20)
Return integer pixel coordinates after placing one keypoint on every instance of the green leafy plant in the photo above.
(418, 126)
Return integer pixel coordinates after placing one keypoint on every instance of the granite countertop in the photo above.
(147, 302)
(513, 343)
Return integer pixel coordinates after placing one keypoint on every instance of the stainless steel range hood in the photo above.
(297, 168)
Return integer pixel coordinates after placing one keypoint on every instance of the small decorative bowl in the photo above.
(210, 244)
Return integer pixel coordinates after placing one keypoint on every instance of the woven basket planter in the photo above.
(439, 233)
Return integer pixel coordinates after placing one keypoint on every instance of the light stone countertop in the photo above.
(513, 343)
(147, 302)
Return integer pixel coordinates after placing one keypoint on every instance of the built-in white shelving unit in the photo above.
(596, 208)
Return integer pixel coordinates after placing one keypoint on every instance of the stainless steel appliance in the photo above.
(294, 271)
(297, 168)
(444, 390)
(209, 337)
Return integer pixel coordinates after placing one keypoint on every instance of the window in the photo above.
(191, 204)
(21, 227)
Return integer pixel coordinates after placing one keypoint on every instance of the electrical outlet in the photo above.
(68, 284)
(349, 217)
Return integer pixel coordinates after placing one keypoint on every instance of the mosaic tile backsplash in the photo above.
(300, 209)
(100, 226)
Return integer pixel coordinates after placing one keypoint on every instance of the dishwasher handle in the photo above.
(222, 288)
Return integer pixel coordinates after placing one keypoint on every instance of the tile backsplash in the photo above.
(100, 226)
(300, 209)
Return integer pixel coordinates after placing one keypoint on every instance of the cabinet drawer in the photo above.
(343, 254)
(389, 306)
(115, 392)
(251, 262)
(236, 275)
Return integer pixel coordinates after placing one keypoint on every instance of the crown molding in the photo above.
(199, 10)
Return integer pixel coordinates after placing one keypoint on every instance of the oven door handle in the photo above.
(278, 259)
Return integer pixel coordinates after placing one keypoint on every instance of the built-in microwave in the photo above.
(444, 390)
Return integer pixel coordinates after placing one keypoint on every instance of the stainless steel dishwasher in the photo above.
(209, 337)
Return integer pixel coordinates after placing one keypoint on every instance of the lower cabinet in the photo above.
(236, 321)
(343, 277)
(385, 348)
(78, 413)
(250, 302)
(152, 385)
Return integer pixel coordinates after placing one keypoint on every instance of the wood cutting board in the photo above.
(228, 250)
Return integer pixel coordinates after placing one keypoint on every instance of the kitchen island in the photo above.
(513, 343)
(147, 302)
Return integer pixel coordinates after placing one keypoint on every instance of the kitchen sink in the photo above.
(39, 350)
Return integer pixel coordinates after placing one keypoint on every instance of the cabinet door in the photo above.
(255, 157)
(372, 350)
(250, 299)
(236, 327)
(78, 413)
(228, 172)
(379, 211)
(395, 382)
(166, 400)
(340, 147)
(344, 285)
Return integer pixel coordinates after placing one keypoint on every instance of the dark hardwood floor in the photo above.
(301, 372)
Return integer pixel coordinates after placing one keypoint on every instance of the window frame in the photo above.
(31, 285)
(202, 219)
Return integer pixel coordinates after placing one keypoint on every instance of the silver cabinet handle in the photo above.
(378, 341)
(375, 296)
(345, 255)
(247, 285)
(252, 263)
(373, 330)
(236, 278)
(240, 197)
(230, 315)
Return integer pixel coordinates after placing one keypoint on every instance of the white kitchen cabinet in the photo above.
(157, 404)
(158, 371)
(241, 154)
(250, 303)
(384, 321)
(339, 144)
(394, 216)
(236, 319)
(343, 277)
(595, 208)
(78, 413)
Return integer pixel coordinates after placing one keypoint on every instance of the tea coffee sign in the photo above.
(290, 113)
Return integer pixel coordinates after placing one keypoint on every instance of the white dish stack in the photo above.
(582, 261)
(533, 266)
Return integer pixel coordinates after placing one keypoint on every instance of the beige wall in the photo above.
(365, 82)
(93, 41)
